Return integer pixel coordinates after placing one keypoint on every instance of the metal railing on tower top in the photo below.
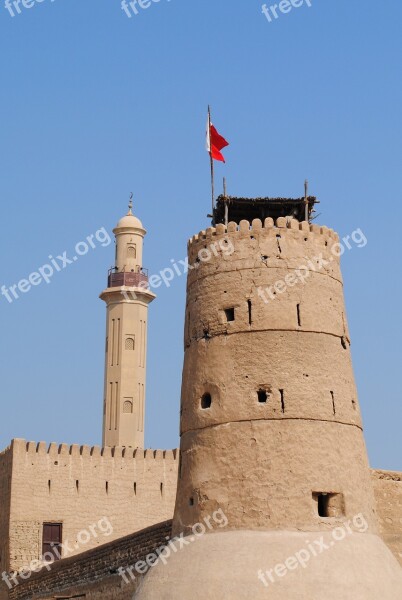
(137, 278)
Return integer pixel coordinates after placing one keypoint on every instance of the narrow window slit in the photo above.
(250, 315)
(282, 393)
(135, 488)
(298, 315)
(107, 487)
(77, 485)
(333, 403)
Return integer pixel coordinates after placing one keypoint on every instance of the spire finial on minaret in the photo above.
(130, 204)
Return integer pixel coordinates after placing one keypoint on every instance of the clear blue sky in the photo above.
(95, 104)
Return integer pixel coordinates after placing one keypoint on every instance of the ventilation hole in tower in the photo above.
(161, 489)
(262, 396)
(264, 257)
(77, 485)
(305, 239)
(282, 393)
(298, 315)
(191, 501)
(206, 334)
(333, 403)
(206, 401)
(250, 309)
(49, 484)
(230, 314)
(329, 505)
(343, 342)
(107, 487)
(135, 488)
(252, 237)
(354, 404)
(279, 245)
(326, 244)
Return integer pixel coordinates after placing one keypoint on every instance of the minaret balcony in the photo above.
(128, 278)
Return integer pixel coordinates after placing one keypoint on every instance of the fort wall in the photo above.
(5, 501)
(97, 494)
(388, 494)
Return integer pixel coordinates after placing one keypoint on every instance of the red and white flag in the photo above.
(215, 142)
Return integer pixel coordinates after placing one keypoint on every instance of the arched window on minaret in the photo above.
(131, 251)
(128, 407)
(130, 344)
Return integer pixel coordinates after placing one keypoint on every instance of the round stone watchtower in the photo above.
(271, 431)
(269, 403)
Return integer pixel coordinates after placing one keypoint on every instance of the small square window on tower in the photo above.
(230, 314)
(329, 505)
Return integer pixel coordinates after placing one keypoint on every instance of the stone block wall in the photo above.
(97, 494)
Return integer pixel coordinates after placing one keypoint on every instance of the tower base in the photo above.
(282, 565)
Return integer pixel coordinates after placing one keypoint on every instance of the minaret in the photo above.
(271, 430)
(127, 298)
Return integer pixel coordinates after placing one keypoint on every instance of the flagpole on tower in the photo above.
(212, 166)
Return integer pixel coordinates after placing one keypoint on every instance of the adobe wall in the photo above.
(80, 486)
(265, 462)
(5, 485)
(94, 574)
(388, 494)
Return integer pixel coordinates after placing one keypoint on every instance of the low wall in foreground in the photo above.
(94, 575)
